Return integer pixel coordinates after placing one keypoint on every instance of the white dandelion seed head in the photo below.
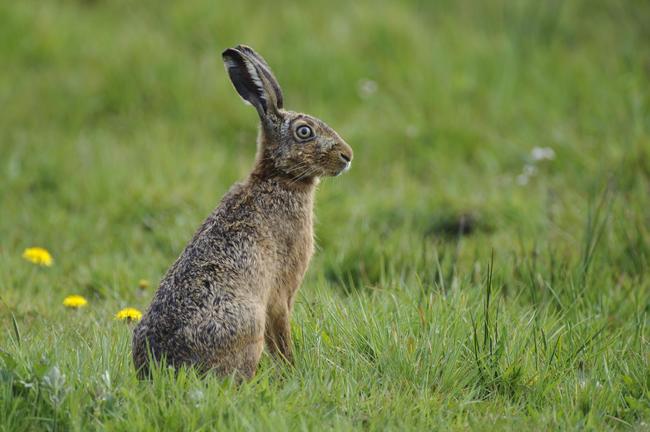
(367, 88)
(542, 153)
(530, 170)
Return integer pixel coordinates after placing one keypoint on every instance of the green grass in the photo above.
(119, 132)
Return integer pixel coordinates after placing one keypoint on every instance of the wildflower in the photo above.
(528, 172)
(143, 284)
(38, 255)
(542, 153)
(74, 301)
(367, 88)
(196, 395)
(129, 314)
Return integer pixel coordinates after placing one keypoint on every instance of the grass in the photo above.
(449, 290)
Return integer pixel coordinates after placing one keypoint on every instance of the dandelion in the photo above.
(74, 301)
(367, 88)
(528, 172)
(129, 314)
(196, 395)
(143, 284)
(542, 153)
(38, 255)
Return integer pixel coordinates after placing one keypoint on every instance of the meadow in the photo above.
(483, 265)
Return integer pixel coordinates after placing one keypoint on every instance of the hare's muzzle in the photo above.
(345, 155)
(346, 160)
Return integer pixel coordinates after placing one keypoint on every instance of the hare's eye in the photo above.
(304, 132)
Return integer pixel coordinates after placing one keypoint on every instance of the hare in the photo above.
(233, 287)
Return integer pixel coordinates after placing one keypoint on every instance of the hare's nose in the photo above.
(345, 158)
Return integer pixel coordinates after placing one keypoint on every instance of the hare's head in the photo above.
(292, 145)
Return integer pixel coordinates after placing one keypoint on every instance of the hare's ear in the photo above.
(268, 78)
(253, 79)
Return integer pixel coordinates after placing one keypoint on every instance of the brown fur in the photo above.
(234, 285)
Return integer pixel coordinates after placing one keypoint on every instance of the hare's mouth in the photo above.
(345, 168)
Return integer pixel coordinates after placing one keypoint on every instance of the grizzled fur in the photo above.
(233, 287)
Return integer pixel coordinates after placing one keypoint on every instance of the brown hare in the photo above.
(233, 287)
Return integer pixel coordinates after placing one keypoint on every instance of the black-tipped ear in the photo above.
(253, 79)
(246, 79)
(269, 79)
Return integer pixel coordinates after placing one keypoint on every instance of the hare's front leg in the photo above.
(278, 330)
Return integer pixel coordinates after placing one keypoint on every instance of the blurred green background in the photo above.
(119, 132)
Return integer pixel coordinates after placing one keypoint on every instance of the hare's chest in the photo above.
(296, 246)
(304, 249)
(294, 250)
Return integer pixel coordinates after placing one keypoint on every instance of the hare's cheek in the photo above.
(327, 146)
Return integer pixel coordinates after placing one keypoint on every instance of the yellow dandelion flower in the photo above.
(129, 314)
(143, 284)
(74, 301)
(38, 255)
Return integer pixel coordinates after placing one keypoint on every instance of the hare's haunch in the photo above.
(234, 285)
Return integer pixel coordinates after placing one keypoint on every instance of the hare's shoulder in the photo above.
(228, 241)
